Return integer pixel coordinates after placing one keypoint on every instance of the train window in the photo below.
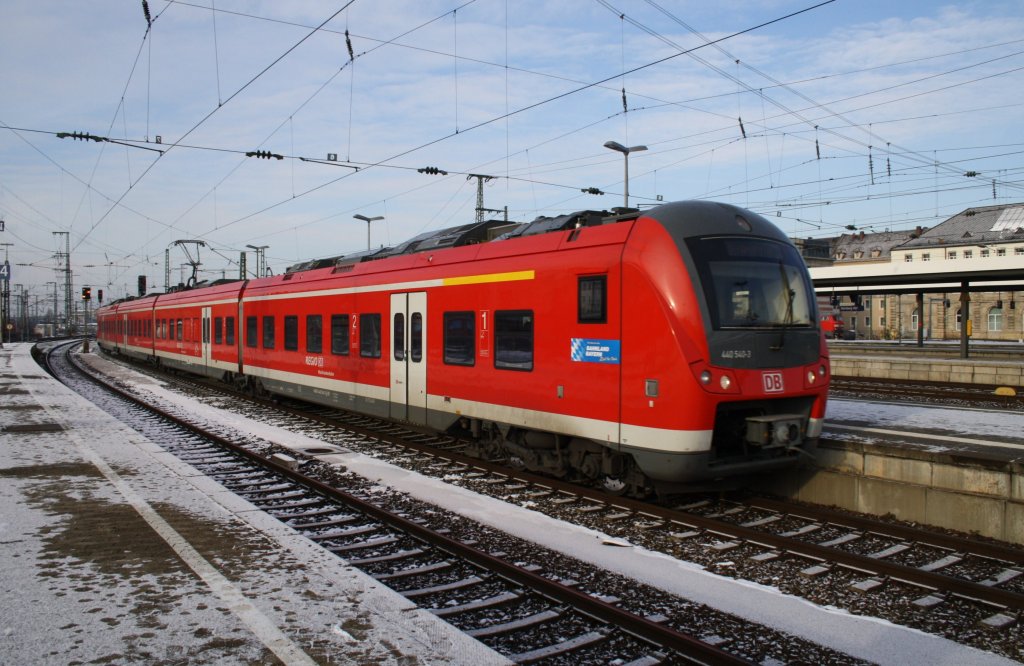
(181, 330)
(339, 334)
(206, 330)
(268, 332)
(229, 330)
(513, 339)
(592, 299)
(753, 283)
(369, 337)
(250, 331)
(399, 337)
(291, 333)
(416, 324)
(314, 334)
(460, 338)
(218, 330)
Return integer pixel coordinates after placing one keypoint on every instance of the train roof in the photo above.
(682, 219)
(470, 234)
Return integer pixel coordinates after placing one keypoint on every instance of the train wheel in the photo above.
(613, 485)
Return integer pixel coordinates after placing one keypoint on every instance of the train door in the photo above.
(408, 357)
(206, 337)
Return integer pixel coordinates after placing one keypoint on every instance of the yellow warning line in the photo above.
(490, 277)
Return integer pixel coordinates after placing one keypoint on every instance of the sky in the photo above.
(819, 115)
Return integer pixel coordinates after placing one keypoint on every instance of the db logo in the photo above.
(772, 382)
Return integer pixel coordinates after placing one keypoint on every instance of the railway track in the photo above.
(931, 349)
(909, 575)
(533, 614)
(933, 393)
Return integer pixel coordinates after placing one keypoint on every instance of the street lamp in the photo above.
(261, 259)
(618, 147)
(368, 220)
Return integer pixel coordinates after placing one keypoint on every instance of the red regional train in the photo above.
(658, 350)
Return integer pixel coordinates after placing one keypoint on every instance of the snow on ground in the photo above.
(862, 637)
(944, 424)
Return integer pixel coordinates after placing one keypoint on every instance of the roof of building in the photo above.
(976, 226)
(862, 246)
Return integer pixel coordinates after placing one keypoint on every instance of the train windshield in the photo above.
(753, 283)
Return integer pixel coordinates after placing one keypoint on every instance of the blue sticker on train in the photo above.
(595, 351)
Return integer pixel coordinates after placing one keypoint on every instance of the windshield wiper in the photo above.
(788, 320)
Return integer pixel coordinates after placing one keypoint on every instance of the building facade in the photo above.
(966, 240)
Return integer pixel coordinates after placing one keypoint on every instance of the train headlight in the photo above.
(815, 376)
(725, 382)
(705, 377)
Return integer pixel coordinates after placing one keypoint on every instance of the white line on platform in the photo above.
(947, 439)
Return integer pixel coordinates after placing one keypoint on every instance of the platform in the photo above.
(935, 363)
(113, 551)
(951, 468)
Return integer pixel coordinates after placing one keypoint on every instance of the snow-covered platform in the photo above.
(113, 551)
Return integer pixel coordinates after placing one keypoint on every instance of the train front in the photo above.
(750, 366)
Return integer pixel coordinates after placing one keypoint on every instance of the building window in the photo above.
(268, 332)
(995, 319)
(1018, 251)
(1001, 252)
(908, 258)
(339, 334)
(291, 333)
(968, 254)
(926, 256)
(914, 320)
(459, 338)
(250, 331)
(984, 253)
(859, 254)
(369, 336)
(958, 318)
(592, 299)
(952, 254)
(314, 334)
(513, 339)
